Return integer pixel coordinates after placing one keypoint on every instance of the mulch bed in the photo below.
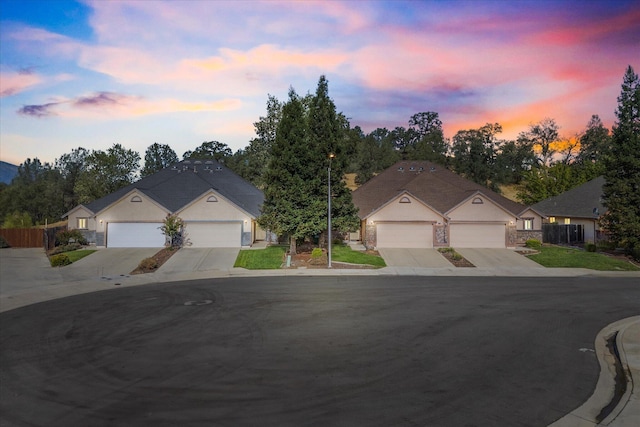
(461, 262)
(160, 258)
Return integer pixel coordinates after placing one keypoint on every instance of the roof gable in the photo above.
(431, 183)
(177, 186)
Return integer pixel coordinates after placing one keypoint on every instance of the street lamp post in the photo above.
(331, 156)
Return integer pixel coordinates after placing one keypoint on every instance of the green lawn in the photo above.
(269, 258)
(79, 254)
(558, 256)
(341, 253)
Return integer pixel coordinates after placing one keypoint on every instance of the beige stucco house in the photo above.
(419, 204)
(219, 209)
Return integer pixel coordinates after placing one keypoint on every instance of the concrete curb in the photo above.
(627, 411)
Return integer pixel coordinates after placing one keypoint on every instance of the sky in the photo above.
(93, 73)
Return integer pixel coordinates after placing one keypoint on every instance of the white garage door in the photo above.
(404, 235)
(135, 235)
(478, 235)
(214, 234)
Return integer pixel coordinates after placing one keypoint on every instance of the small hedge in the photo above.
(65, 248)
(3, 242)
(533, 244)
(590, 247)
(59, 260)
(64, 236)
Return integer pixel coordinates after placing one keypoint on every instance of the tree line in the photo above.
(289, 156)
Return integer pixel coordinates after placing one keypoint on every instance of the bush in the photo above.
(590, 247)
(64, 236)
(59, 260)
(148, 264)
(316, 253)
(3, 242)
(533, 243)
(66, 248)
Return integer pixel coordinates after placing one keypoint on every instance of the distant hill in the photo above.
(7, 172)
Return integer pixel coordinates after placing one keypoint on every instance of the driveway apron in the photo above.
(413, 257)
(496, 258)
(108, 262)
(188, 260)
(25, 268)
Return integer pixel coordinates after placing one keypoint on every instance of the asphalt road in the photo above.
(310, 351)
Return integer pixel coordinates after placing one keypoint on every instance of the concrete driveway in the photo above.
(414, 257)
(108, 262)
(497, 258)
(188, 260)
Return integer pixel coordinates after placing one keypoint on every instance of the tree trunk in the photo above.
(292, 246)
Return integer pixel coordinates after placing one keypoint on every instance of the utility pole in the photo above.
(331, 156)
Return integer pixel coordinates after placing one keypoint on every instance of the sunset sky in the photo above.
(93, 73)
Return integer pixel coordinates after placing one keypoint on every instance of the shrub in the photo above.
(316, 253)
(59, 260)
(446, 250)
(64, 236)
(533, 243)
(590, 247)
(3, 242)
(65, 248)
(148, 264)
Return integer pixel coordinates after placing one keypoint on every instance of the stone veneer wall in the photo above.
(524, 235)
(370, 236)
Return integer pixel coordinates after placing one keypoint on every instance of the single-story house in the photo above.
(218, 207)
(581, 205)
(420, 204)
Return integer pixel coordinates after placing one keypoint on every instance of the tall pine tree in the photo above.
(622, 169)
(295, 183)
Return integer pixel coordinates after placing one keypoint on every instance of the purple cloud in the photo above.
(43, 110)
(99, 99)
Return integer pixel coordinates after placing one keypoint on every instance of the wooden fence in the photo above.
(23, 237)
(31, 237)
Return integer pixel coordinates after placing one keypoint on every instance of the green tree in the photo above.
(158, 157)
(289, 207)
(541, 137)
(17, 220)
(622, 169)
(594, 142)
(428, 142)
(328, 136)
(512, 161)
(210, 150)
(475, 154)
(106, 172)
(173, 228)
(70, 166)
(37, 190)
(375, 152)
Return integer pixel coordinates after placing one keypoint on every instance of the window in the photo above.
(82, 223)
(212, 199)
(528, 223)
(477, 201)
(136, 199)
(567, 221)
(552, 219)
(405, 199)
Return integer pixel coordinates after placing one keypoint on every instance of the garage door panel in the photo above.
(478, 235)
(135, 235)
(214, 234)
(404, 235)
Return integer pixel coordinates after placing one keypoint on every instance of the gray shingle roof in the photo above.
(577, 202)
(433, 184)
(175, 187)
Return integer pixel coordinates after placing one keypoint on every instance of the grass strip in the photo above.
(269, 258)
(79, 254)
(563, 257)
(341, 253)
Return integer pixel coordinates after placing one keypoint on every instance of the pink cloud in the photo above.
(12, 83)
